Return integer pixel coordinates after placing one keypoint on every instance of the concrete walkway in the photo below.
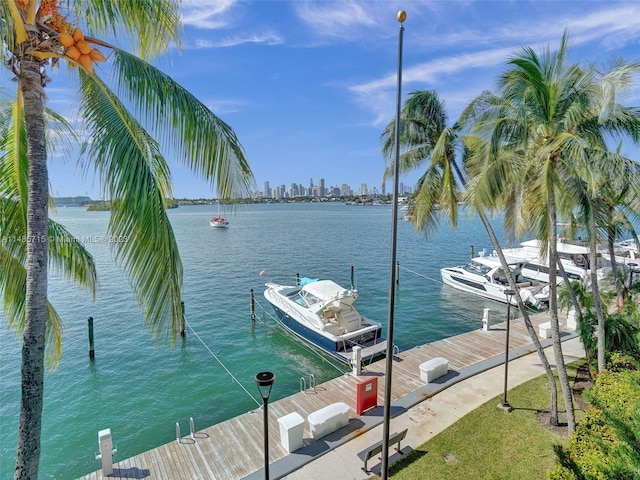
(423, 418)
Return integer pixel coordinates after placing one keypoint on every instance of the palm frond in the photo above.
(151, 25)
(67, 256)
(182, 123)
(136, 178)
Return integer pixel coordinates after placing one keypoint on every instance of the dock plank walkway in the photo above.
(228, 450)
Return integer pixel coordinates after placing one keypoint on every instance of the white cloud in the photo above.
(609, 27)
(335, 18)
(206, 14)
(268, 38)
(222, 106)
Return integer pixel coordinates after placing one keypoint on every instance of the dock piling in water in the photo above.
(182, 322)
(252, 307)
(92, 353)
(352, 278)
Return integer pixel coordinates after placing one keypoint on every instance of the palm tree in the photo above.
(425, 135)
(125, 148)
(611, 179)
(551, 115)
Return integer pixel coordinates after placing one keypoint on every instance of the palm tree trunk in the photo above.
(553, 310)
(572, 293)
(28, 455)
(597, 303)
(611, 238)
(553, 411)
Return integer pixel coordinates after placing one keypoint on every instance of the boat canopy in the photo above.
(563, 247)
(324, 289)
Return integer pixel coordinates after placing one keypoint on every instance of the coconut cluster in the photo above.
(77, 48)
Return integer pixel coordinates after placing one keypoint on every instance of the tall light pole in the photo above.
(504, 403)
(402, 16)
(264, 381)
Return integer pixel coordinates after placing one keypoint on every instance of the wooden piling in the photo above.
(252, 307)
(297, 279)
(92, 353)
(397, 272)
(352, 279)
(182, 322)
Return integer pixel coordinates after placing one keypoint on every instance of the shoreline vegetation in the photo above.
(104, 205)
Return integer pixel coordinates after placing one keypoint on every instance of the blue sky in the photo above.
(308, 86)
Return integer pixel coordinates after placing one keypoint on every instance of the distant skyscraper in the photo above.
(321, 190)
(267, 190)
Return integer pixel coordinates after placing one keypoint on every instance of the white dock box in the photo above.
(328, 419)
(291, 431)
(433, 369)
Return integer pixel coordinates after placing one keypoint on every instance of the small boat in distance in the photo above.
(321, 312)
(218, 221)
(485, 276)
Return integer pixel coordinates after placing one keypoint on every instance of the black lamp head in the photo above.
(264, 380)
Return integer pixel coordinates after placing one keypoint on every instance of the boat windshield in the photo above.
(475, 267)
(310, 298)
(304, 299)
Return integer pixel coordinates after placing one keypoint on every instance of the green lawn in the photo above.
(491, 444)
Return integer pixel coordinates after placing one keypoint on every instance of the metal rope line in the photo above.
(420, 275)
(220, 362)
(529, 309)
(286, 332)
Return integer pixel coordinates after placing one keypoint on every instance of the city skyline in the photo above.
(320, 190)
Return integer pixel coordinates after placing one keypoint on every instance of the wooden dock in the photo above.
(229, 450)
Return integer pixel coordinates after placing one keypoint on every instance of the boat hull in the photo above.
(481, 285)
(368, 337)
(339, 350)
(455, 279)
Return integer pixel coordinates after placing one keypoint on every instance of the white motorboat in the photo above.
(485, 276)
(575, 261)
(626, 251)
(321, 312)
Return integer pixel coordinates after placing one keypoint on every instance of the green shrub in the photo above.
(620, 361)
(606, 442)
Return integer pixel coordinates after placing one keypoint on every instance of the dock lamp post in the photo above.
(504, 403)
(264, 382)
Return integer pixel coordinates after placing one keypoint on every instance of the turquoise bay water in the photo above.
(140, 388)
